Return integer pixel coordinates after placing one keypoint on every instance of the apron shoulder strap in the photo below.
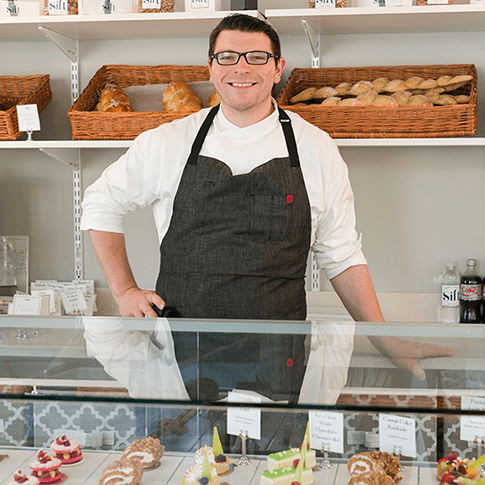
(199, 139)
(289, 137)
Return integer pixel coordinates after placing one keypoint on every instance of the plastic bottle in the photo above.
(470, 294)
(450, 294)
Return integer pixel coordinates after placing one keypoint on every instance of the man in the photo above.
(240, 195)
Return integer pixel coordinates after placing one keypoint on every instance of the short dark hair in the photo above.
(245, 23)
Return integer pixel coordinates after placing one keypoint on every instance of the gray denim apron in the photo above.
(237, 246)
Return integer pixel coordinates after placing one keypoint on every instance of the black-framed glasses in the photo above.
(230, 58)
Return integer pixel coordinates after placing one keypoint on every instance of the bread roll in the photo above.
(452, 86)
(432, 94)
(332, 101)
(413, 81)
(325, 92)
(427, 84)
(383, 101)
(113, 99)
(214, 99)
(396, 85)
(343, 89)
(367, 97)
(419, 100)
(462, 99)
(350, 102)
(401, 97)
(360, 87)
(445, 100)
(304, 95)
(379, 84)
(461, 78)
(179, 96)
(443, 80)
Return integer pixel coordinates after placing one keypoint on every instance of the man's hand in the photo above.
(135, 302)
(406, 355)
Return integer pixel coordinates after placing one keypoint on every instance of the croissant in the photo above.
(113, 100)
(180, 97)
(214, 99)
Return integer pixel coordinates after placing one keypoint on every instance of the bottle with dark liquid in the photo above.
(470, 294)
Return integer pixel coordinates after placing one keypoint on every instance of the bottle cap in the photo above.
(450, 265)
(471, 262)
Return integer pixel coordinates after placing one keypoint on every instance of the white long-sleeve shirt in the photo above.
(150, 171)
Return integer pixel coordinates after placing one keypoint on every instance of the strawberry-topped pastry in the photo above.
(453, 469)
(19, 479)
(67, 450)
(46, 468)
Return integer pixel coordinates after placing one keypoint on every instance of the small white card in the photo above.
(244, 421)
(324, 3)
(397, 434)
(472, 427)
(73, 301)
(326, 431)
(28, 116)
(50, 293)
(26, 305)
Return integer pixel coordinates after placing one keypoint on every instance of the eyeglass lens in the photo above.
(254, 57)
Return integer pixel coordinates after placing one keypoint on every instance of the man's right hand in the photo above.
(136, 302)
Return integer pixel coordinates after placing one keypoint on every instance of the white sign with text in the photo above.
(244, 421)
(397, 434)
(472, 427)
(326, 431)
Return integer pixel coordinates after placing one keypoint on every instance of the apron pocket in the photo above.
(270, 216)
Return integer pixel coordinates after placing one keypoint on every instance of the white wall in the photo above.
(414, 205)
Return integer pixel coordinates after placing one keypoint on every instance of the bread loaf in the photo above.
(343, 89)
(325, 92)
(360, 87)
(113, 100)
(304, 95)
(179, 96)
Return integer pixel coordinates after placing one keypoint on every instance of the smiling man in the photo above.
(240, 194)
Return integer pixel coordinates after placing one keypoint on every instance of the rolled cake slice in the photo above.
(67, 450)
(149, 451)
(125, 471)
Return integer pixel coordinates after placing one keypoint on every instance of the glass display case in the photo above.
(107, 382)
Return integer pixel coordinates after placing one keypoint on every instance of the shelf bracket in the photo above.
(314, 40)
(67, 156)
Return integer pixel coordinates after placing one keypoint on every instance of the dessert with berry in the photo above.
(46, 468)
(148, 450)
(125, 471)
(201, 474)
(221, 460)
(454, 467)
(67, 450)
(19, 479)
(288, 475)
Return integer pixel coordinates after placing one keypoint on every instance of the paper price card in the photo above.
(73, 301)
(26, 305)
(326, 431)
(472, 427)
(245, 421)
(28, 117)
(397, 434)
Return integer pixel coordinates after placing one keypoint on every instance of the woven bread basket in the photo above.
(373, 122)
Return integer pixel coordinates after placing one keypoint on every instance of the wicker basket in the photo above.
(16, 90)
(371, 122)
(89, 124)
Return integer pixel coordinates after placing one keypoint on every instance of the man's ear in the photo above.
(279, 69)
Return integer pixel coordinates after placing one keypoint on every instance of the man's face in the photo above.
(245, 89)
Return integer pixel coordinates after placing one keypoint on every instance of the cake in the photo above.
(126, 471)
(456, 467)
(288, 475)
(371, 478)
(46, 468)
(67, 450)
(148, 450)
(285, 458)
(18, 478)
(373, 467)
(204, 473)
(215, 454)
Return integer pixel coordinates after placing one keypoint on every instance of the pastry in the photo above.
(304, 95)
(113, 100)
(179, 96)
(125, 471)
(388, 462)
(148, 450)
(374, 464)
(396, 85)
(67, 450)
(214, 99)
(18, 478)
(201, 474)
(343, 89)
(419, 100)
(401, 97)
(362, 463)
(360, 87)
(367, 97)
(379, 84)
(222, 461)
(413, 81)
(383, 101)
(46, 468)
(325, 92)
(457, 467)
(333, 101)
(350, 102)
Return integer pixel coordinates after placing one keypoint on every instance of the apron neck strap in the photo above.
(285, 124)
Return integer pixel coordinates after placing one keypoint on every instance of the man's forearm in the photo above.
(354, 287)
(110, 250)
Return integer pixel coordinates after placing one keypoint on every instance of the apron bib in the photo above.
(237, 248)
